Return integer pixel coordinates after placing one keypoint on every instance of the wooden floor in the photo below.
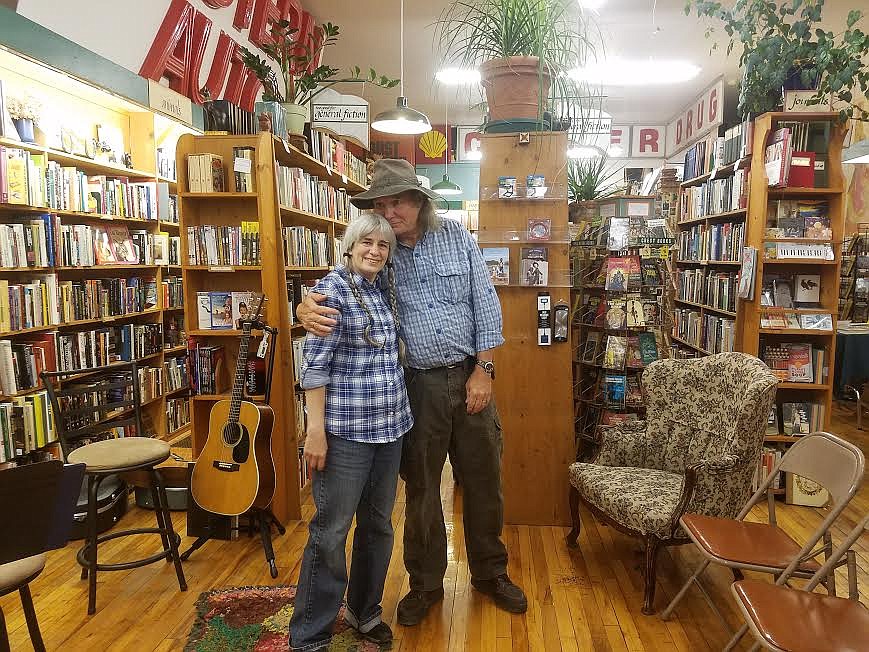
(585, 599)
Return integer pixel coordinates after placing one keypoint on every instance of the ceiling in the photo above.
(656, 29)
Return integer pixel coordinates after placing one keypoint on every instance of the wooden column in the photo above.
(533, 385)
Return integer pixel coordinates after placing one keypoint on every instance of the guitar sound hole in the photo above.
(237, 436)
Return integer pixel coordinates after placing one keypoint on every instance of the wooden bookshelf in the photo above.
(748, 331)
(269, 276)
(533, 384)
(139, 142)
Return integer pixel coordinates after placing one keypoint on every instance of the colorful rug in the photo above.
(257, 619)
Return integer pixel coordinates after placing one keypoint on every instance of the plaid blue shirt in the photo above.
(366, 399)
(448, 307)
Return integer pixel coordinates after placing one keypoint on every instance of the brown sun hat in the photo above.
(392, 176)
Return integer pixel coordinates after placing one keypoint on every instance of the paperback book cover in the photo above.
(122, 245)
(535, 268)
(617, 273)
(635, 275)
(203, 307)
(772, 421)
(617, 238)
(498, 263)
(616, 350)
(103, 247)
(616, 315)
(807, 290)
(221, 310)
(651, 312)
(795, 418)
(816, 217)
(615, 386)
(636, 315)
(589, 353)
(651, 275)
(634, 394)
(634, 355)
(800, 363)
(241, 305)
(648, 348)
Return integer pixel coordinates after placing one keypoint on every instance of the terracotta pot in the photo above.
(513, 87)
(583, 211)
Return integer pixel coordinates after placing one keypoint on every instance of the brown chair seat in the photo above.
(743, 542)
(120, 454)
(16, 572)
(800, 621)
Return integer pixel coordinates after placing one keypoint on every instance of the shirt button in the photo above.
(417, 254)
(431, 305)
(422, 281)
(438, 331)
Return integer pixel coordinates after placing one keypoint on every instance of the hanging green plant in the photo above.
(592, 178)
(294, 57)
(782, 42)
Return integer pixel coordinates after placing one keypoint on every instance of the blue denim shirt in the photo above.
(446, 302)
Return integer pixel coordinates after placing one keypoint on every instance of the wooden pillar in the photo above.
(533, 385)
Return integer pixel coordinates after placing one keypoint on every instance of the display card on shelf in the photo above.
(506, 187)
(535, 266)
(816, 321)
(535, 186)
(497, 261)
(539, 229)
(618, 234)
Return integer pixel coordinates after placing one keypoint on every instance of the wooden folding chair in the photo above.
(828, 460)
(785, 619)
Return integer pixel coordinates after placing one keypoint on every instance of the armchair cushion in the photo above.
(623, 444)
(642, 500)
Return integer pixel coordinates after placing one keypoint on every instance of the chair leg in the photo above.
(853, 593)
(92, 544)
(573, 535)
(830, 580)
(734, 641)
(30, 617)
(158, 510)
(678, 597)
(4, 635)
(653, 546)
(170, 530)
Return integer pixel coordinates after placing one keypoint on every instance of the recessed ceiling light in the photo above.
(458, 76)
(627, 72)
(594, 5)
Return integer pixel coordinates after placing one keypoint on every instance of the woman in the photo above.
(357, 413)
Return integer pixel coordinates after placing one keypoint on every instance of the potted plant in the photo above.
(523, 49)
(589, 180)
(784, 46)
(302, 76)
(24, 112)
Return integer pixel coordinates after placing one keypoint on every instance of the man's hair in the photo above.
(365, 224)
(429, 220)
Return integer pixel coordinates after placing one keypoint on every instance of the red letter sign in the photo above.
(649, 141)
(170, 50)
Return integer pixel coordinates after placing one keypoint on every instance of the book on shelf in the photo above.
(29, 243)
(807, 290)
(306, 192)
(244, 163)
(617, 235)
(616, 313)
(816, 321)
(121, 245)
(205, 173)
(207, 368)
(795, 362)
(777, 158)
(802, 491)
(592, 344)
(304, 247)
(29, 304)
(634, 357)
(769, 458)
(635, 314)
(801, 418)
(772, 422)
(615, 387)
(105, 297)
(615, 353)
(535, 266)
(617, 274)
(215, 245)
(497, 261)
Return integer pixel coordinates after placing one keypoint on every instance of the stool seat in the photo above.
(16, 572)
(120, 454)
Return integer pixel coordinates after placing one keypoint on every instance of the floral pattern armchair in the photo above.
(695, 452)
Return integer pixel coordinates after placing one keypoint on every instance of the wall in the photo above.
(467, 175)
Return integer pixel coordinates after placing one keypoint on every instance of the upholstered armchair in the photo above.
(695, 452)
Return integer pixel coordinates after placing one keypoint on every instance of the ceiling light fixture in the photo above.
(458, 76)
(627, 72)
(402, 119)
(583, 151)
(447, 187)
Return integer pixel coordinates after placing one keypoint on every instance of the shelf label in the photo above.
(220, 268)
(242, 165)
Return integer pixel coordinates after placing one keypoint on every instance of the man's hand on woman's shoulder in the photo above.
(314, 317)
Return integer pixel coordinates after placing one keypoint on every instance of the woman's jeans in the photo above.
(359, 479)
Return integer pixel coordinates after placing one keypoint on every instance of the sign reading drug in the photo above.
(346, 115)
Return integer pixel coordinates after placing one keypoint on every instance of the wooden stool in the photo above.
(16, 576)
(110, 457)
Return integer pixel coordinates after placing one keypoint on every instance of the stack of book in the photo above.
(795, 362)
(224, 245)
(301, 190)
(177, 414)
(99, 298)
(26, 424)
(334, 155)
(304, 247)
(207, 373)
(29, 243)
(205, 173)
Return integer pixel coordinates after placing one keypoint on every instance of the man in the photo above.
(451, 322)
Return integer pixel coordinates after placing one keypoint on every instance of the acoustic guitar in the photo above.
(235, 470)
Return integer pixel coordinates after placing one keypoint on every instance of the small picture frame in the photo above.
(506, 187)
(539, 229)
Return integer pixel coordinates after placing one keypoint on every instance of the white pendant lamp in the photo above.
(402, 119)
(447, 187)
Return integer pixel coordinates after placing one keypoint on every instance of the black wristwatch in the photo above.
(488, 366)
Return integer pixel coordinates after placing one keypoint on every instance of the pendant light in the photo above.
(402, 119)
(447, 187)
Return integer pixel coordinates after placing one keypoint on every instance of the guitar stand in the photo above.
(257, 518)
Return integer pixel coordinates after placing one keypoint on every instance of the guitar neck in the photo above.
(238, 383)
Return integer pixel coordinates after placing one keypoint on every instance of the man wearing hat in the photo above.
(451, 322)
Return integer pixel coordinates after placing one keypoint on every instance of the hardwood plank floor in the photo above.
(583, 599)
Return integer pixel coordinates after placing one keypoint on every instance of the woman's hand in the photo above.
(315, 448)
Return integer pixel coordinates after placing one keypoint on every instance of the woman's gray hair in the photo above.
(365, 224)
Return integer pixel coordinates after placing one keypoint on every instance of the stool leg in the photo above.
(30, 616)
(170, 531)
(92, 544)
(4, 635)
(158, 511)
